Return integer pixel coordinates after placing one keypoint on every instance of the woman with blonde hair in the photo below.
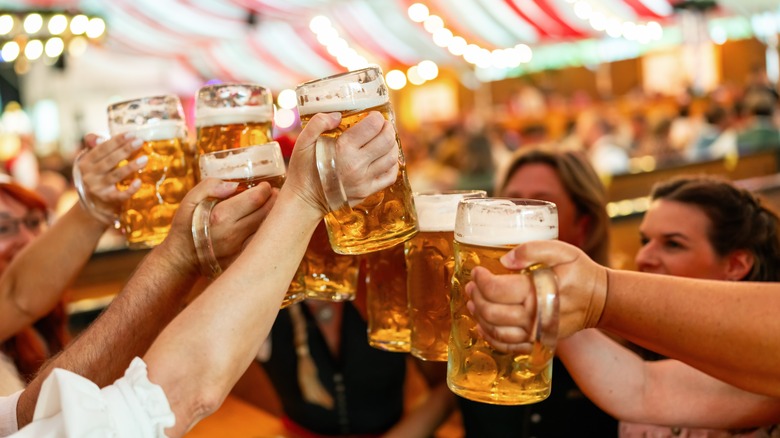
(566, 178)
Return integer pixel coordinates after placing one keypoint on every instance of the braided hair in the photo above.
(738, 220)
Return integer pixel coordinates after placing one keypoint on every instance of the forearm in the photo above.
(735, 339)
(152, 297)
(36, 279)
(610, 375)
(199, 357)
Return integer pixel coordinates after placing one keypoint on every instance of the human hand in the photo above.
(234, 221)
(367, 159)
(504, 305)
(179, 244)
(97, 174)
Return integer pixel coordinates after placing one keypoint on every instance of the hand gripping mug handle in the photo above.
(325, 155)
(99, 213)
(544, 333)
(201, 237)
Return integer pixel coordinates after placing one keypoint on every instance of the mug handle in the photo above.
(201, 237)
(544, 333)
(325, 156)
(103, 215)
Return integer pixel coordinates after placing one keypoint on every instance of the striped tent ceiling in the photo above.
(270, 41)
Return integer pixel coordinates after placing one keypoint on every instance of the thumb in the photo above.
(318, 124)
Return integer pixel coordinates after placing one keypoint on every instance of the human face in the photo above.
(675, 242)
(541, 181)
(18, 226)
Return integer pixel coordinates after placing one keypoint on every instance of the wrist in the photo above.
(178, 255)
(598, 299)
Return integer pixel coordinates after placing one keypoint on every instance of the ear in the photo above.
(738, 264)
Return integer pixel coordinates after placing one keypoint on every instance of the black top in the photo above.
(566, 413)
(366, 383)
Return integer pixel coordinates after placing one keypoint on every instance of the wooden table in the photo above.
(238, 419)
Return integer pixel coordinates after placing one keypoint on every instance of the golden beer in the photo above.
(385, 218)
(388, 318)
(145, 218)
(229, 135)
(329, 276)
(230, 116)
(430, 264)
(485, 230)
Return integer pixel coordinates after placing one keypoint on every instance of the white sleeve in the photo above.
(8, 413)
(71, 406)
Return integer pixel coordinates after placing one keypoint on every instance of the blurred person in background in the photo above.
(476, 165)
(759, 132)
(34, 324)
(696, 227)
(567, 179)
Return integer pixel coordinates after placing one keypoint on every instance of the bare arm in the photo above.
(666, 392)
(201, 354)
(726, 329)
(39, 274)
(155, 293)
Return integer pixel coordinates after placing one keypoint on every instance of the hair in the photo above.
(28, 198)
(738, 220)
(583, 186)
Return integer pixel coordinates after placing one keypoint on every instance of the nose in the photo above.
(646, 259)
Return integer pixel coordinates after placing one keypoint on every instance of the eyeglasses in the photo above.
(9, 227)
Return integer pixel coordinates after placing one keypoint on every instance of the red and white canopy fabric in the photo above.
(270, 41)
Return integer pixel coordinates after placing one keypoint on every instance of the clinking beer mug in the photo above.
(430, 263)
(385, 218)
(145, 218)
(485, 229)
(247, 166)
(230, 116)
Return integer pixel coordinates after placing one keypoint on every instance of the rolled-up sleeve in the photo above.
(71, 406)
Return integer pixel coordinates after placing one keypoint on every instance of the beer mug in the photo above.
(385, 218)
(145, 218)
(430, 263)
(329, 276)
(230, 116)
(485, 229)
(248, 166)
(386, 302)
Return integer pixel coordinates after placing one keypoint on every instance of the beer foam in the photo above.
(208, 116)
(244, 163)
(499, 223)
(437, 212)
(336, 104)
(162, 130)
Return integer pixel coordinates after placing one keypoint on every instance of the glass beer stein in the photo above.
(385, 218)
(430, 264)
(485, 229)
(329, 276)
(386, 300)
(230, 116)
(248, 166)
(145, 218)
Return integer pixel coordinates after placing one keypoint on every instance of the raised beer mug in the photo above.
(145, 218)
(230, 116)
(385, 218)
(430, 263)
(248, 166)
(485, 229)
